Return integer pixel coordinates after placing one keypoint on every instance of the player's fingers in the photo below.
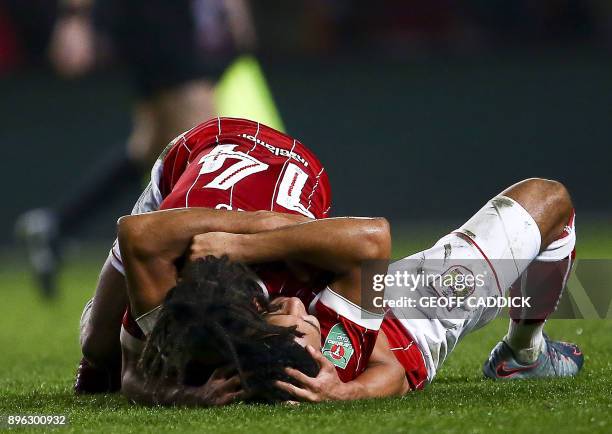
(195, 254)
(222, 372)
(244, 394)
(289, 388)
(317, 355)
(217, 374)
(232, 383)
(198, 247)
(304, 395)
(321, 360)
(292, 390)
(299, 376)
(241, 394)
(228, 398)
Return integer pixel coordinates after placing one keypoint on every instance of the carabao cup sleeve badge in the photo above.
(338, 348)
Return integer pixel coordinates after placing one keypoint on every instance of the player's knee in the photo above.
(95, 351)
(551, 193)
(99, 347)
(561, 197)
(549, 203)
(90, 350)
(87, 344)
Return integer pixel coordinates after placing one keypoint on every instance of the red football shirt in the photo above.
(243, 165)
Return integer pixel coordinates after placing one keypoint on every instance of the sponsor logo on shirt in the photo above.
(276, 151)
(338, 348)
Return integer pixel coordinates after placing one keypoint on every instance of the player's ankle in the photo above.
(526, 340)
(526, 353)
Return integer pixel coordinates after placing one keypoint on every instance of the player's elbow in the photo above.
(134, 238)
(376, 239)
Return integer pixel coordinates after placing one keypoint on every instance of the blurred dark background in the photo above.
(420, 110)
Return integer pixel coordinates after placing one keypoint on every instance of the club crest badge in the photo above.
(338, 348)
(457, 281)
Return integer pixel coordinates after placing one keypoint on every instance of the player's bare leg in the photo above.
(100, 368)
(161, 118)
(525, 351)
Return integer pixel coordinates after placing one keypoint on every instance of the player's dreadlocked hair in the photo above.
(217, 307)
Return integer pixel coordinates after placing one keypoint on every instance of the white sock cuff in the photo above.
(563, 246)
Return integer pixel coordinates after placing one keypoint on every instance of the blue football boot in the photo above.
(557, 359)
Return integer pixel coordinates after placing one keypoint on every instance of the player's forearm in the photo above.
(384, 376)
(168, 233)
(378, 381)
(336, 244)
(151, 243)
(148, 281)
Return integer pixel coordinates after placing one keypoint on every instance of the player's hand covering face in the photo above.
(326, 385)
(293, 313)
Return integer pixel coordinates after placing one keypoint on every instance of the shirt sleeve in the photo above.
(348, 333)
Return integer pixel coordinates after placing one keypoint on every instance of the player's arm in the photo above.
(333, 244)
(383, 377)
(220, 389)
(151, 244)
(168, 233)
(341, 245)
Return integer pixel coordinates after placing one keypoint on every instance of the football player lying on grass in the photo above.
(524, 237)
(217, 314)
(223, 163)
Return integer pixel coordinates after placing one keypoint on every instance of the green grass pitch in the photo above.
(39, 352)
